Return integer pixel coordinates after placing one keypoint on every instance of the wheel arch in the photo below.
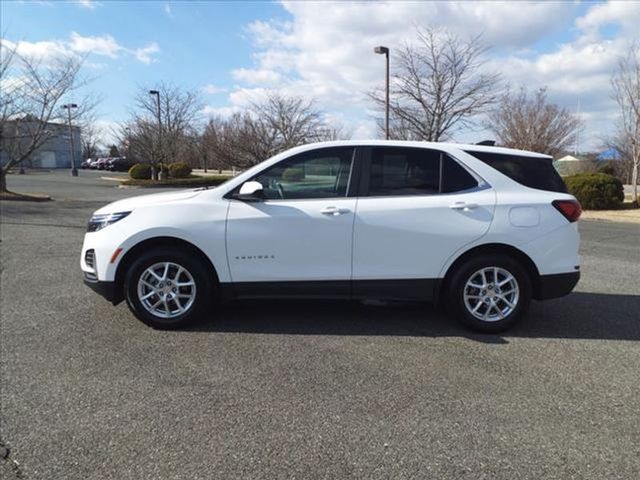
(488, 248)
(154, 242)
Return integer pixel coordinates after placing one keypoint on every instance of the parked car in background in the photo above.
(119, 164)
(94, 163)
(86, 163)
(481, 229)
(102, 163)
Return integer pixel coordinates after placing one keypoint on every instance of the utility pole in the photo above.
(157, 95)
(385, 51)
(577, 147)
(74, 170)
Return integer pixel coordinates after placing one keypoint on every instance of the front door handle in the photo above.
(334, 211)
(464, 206)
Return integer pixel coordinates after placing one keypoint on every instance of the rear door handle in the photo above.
(334, 211)
(464, 206)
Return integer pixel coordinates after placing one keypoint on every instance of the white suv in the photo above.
(481, 229)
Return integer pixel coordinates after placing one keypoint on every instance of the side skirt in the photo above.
(422, 289)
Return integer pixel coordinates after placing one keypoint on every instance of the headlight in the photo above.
(98, 222)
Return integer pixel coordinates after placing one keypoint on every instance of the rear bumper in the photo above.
(104, 289)
(557, 285)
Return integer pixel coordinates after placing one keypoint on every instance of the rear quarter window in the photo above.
(454, 177)
(532, 172)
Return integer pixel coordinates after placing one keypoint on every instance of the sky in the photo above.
(234, 52)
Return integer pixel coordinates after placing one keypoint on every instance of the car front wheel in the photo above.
(489, 293)
(167, 289)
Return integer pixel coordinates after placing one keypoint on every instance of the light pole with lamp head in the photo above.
(74, 170)
(385, 51)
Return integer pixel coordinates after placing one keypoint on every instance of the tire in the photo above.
(487, 306)
(168, 275)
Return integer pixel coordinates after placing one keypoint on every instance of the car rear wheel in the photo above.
(167, 289)
(489, 293)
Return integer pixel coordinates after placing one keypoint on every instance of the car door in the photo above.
(417, 208)
(301, 231)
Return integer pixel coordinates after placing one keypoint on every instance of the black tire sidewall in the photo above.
(455, 295)
(200, 276)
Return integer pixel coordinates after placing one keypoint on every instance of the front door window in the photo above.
(322, 173)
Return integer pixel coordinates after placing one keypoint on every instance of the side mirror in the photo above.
(250, 192)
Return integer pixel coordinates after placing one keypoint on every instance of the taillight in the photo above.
(571, 209)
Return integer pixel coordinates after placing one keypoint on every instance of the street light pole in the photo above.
(128, 130)
(74, 170)
(157, 95)
(385, 50)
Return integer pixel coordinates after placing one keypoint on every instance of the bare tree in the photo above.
(271, 126)
(626, 92)
(220, 143)
(334, 132)
(196, 149)
(286, 121)
(140, 136)
(9, 86)
(437, 87)
(167, 141)
(31, 98)
(622, 146)
(237, 142)
(90, 140)
(532, 123)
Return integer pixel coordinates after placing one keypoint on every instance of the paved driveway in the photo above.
(308, 389)
(89, 185)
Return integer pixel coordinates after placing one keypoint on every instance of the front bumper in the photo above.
(104, 289)
(556, 285)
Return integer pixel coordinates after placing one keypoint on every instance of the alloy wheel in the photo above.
(491, 294)
(166, 290)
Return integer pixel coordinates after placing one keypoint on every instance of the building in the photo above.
(568, 158)
(570, 165)
(54, 153)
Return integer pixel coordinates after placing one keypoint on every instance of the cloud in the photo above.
(622, 14)
(211, 89)
(10, 82)
(89, 4)
(40, 51)
(259, 76)
(267, 33)
(78, 45)
(244, 97)
(578, 73)
(325, 51)
(145, 54)
(224, 112)
(95, 65)
(105, 45)
(167, 10)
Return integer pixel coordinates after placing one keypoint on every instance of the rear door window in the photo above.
(532, 172)
(398, 171)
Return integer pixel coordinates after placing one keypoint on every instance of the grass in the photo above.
(24, 197)
(191, 181)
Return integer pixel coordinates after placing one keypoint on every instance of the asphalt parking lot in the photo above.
(307, 389)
